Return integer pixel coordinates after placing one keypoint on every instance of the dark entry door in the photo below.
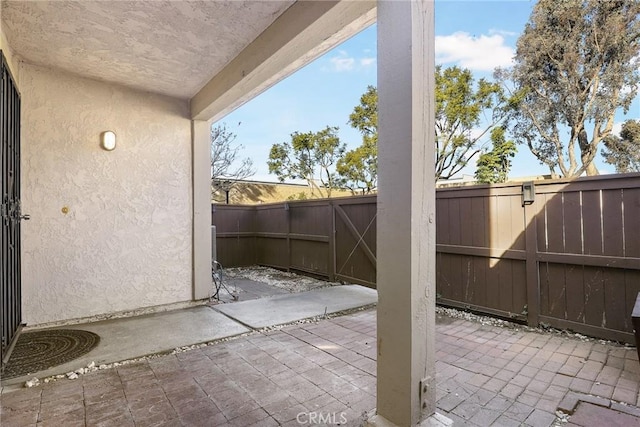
(10, 213)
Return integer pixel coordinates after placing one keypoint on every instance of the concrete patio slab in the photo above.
(281, 309)
(246, 289)
(133, 337)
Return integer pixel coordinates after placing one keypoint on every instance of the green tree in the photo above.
(358, 169)
(365, 115)
(227, 168)
(465, 113)
(624, 152)
(576, 64)
(494, 165)
(310, 156)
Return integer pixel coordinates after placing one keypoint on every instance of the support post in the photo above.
(406, 214)
(201, 185)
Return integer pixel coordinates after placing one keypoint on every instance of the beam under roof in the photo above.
(303, 32)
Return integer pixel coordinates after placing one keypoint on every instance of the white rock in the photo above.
(72, 375)
(91, 365)
(33, 382)
(102, 366)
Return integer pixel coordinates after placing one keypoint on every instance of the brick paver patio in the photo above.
(486, 375)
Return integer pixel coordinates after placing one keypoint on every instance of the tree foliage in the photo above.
(624, 152)
(310, 156)
(576, 63)
(358, 169)
(494, 165)
(365, 115)
(465, 113)
(227, 168)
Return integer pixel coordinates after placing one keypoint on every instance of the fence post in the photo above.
(531, 265)
(332, 243)
(287, 209)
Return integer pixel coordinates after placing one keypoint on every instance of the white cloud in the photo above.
(505, 33)
(367, 62)
(482, 53)
(342, 62)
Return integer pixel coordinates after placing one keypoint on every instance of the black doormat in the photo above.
(41, 350)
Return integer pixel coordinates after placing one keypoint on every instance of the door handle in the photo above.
(26, 217)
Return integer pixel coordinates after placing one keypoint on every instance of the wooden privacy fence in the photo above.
(571, 259)
(334, 238)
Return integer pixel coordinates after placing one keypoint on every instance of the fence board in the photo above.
(479, 213)
(612, 222)
(631, 200)
(465, 216)
(541, 223)
(592, 220)
(505, 288)
(614, 296)
(272, 252)
(572, 222)
(493, 276)
(594, 296)
(454, 222)
(480, 281)
(574, 283)
(554, 231)
(310, 256)
(519, 301)
(443, 222)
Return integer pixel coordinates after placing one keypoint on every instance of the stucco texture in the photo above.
(168, 47)
(7, 51)
(125, 240)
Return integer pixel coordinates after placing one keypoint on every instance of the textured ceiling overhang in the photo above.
(168, 47)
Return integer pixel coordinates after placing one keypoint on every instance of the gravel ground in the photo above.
(485, 320)
(290, 282)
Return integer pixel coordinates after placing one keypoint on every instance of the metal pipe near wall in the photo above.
(214, 255)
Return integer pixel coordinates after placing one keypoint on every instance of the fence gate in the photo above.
(355, 241)
(10, 214)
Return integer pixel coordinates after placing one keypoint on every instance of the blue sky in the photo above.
(478, 35)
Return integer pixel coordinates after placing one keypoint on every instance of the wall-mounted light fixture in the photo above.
(528, 193)
(108, 140)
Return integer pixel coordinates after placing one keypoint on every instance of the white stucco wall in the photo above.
(8, 51)
(125, 242)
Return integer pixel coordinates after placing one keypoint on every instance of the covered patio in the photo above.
(109, 157)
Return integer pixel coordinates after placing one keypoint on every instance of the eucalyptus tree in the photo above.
(576, 65)
(624, 151)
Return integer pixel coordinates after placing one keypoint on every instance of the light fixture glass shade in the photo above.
(108, 140)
